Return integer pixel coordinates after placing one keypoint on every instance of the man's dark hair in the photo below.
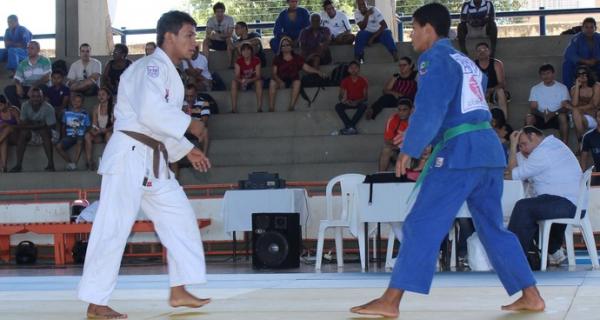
(589, 20)
(482, 44)
(532, 130)
(37, 89)
(13, 17)
(85, 44)
(57, 71)
(407, 59)
(546, 67)
(152, 43)
(405, 102)
(354, 62)
(435, 14)
(327, 2)
(218, 5)
(171, 21)
(242, 24)
(121, 47)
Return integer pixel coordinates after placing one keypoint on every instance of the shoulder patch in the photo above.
(152, 71)
(423, 67)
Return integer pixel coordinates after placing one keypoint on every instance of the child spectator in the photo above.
(353, 95)
(76, 122)
(393, 136)
(58, 95)
(102, 126)
(247, 75)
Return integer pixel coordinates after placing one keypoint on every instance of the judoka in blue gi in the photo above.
(583, 49)
(451, 113)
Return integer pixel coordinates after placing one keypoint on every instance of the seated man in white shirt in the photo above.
(338, 24)
(554, 172)
(84, 74)
(197, 71)
(549, 102)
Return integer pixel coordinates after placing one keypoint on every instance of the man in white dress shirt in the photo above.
(149, 133)
(554, 172)
(338, 24)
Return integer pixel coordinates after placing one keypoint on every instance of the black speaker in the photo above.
(276, 239)
(26, 253)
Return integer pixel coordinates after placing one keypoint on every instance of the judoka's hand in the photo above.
(198, 160)
(402, 163)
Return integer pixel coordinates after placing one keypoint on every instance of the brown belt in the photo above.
(157, 148)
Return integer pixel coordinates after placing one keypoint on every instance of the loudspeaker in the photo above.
(26, 253)
(276, 239)
(262, 180)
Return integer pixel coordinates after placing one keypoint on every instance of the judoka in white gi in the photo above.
(466, 165)
(149, 127)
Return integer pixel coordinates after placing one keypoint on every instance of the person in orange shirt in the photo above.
(393, 136)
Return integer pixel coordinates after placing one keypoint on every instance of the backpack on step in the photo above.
(338, 73)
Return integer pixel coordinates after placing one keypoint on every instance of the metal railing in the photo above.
(401, 18)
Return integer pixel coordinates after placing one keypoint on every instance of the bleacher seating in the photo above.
(298, 145)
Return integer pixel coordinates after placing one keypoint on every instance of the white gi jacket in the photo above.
(156, 113)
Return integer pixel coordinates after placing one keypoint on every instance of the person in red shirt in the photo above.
(393, 136)
(286, 73)
(353, 95)
(247, 74)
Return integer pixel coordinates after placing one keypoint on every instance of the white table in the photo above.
(239, 205)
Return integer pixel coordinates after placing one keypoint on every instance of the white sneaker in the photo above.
(71, 166)
(557, 258)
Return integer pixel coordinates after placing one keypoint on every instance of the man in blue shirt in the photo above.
(16, 39)
(290, 23)
(467, 164)
(583, 49)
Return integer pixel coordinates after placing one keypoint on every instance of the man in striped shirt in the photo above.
(477, 17)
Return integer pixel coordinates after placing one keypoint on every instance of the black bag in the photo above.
(79, 250)
(533, 257)
(61, 66)
(217, 82)
(337, 74)
(311, 81)
(26, 253)
(212, 103)
(383, 177)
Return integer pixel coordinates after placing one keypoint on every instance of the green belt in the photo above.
(449, 134)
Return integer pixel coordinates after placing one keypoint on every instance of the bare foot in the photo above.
(182, 298)
(530, 301)
(377, 307)
(95, 311)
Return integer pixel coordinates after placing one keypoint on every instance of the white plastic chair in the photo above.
(582, 223)
(348, 183)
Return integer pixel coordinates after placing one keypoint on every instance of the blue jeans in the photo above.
(362, 38)
(13, 57)
(442, 194)
(527, 212)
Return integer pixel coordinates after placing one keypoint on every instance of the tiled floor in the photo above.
(239, 292)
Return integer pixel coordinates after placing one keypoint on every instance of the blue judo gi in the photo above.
(468, 167)
(576, 50)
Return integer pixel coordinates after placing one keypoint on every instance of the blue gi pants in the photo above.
(362, 38)
(442, 194)
(13, 57)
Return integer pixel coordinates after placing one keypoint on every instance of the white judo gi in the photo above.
(151, 94)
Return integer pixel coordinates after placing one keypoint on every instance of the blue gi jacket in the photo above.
(19, 34)
(450, 92)
(285, 27)
(578, 48)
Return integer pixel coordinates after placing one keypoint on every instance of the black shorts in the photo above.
(218, 45)
(551, 124)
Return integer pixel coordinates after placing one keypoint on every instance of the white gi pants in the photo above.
(164, 202)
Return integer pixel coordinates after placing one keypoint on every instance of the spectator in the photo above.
(247, 75)
(552, 169)
(286, 72)
(9, 119)
(253, 38)
(16, 39)
(373, 28)
(477, 17)
(197, 71)
(102, 126)
(393, 135)
(314, 43)
(400, 85)
(585, 99)
(289, 23)
(37, 118)
(583, 49)
(549, 102)
(354, 91)
(84, 74)
(219, 32)
(149, 48)
(76, 123)
(494, 70)
(591, 145)
(338, 24)
(58, 94)
(115, 67)
(31, 72)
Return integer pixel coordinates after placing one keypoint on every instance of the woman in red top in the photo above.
(247, 74)
(286, 73)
